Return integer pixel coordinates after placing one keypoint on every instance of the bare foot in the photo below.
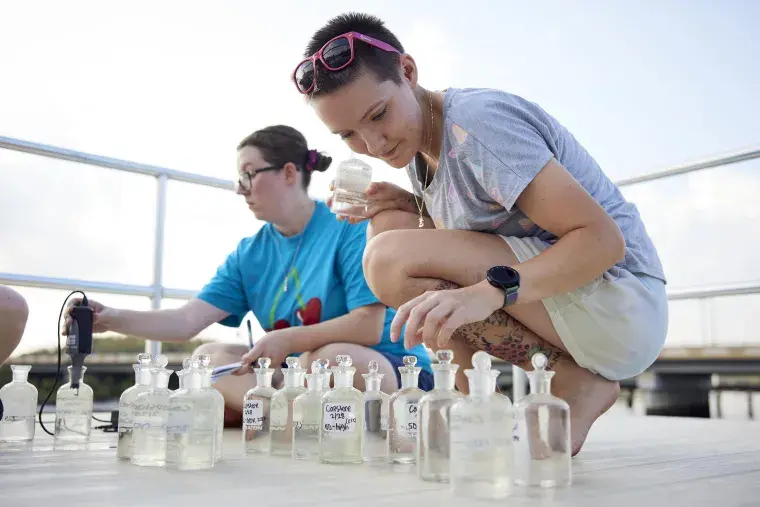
(589, 396)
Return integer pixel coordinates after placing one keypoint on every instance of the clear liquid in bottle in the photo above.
(307, 409)
(481, 442)
(207, 370)
(256, 410)
(403, 420)
(19, 401)
(192, 416)
(342, 418)
(376, 405)
(281, 423)
(73, 409)
(151, 418)
(433, 450)
(126, 405)
(542, 444)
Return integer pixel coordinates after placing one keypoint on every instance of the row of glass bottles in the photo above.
(479, 443)
(73, 408)
(182, 429)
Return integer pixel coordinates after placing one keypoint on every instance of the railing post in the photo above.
(153, 347)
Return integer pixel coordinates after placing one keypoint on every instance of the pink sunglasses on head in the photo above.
(336, 54)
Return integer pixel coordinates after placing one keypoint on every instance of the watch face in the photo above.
(504, 276)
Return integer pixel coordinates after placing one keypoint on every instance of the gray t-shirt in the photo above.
(494, 144)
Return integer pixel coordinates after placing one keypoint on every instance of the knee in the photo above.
(381, 264)
(329, 351)
(14, 313)
(220, 352)
(390, 220)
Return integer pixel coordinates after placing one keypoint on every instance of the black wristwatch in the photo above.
(506, 279)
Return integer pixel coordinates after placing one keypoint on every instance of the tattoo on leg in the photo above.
(503, 336)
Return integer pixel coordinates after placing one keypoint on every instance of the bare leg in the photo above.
(402, 264)
(13, 315)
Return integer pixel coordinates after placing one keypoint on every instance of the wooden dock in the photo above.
(627, 461)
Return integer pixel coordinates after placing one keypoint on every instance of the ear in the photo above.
(290, 172)
(409, 69)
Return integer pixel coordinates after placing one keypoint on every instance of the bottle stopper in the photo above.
(373, 367)
(264, 363)
(324, 363)
(143, 358)
(344, 362)
(317, 367)
(539, 361)
(481, 361)
(292, 363)
(161, 361)
(204, 360)
(444, 356)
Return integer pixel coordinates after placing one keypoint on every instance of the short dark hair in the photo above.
(383, 64)
(280, 144)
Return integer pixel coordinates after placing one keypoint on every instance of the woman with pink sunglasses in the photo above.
(514, 240)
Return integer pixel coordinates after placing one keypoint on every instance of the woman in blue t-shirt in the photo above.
(514, 240)
(300, 274)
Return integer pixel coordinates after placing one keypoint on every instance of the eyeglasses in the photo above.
(246, 178)
(336, 54)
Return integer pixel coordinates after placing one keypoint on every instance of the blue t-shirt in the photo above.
(326, 280)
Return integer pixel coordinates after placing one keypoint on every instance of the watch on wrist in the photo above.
(506, 279)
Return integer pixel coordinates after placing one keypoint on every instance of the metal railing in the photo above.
(157, 291)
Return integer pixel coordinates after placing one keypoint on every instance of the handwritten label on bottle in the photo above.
(180, 419)
(253, 414)
(339, 419)
(409, 420)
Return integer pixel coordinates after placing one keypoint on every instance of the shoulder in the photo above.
(485, 112)
(326, 225)
(251, 246)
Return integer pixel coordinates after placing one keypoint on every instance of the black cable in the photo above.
(58, 369)
(101, 420)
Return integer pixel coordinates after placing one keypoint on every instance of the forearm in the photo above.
(157, 325)
(363, 326)
(573, 261)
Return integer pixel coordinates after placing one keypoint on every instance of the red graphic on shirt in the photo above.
(310, 314)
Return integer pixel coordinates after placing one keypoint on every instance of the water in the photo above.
(17, 428)
(375, 430)
(349, 203)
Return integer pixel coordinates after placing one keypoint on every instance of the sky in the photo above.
(642, 85)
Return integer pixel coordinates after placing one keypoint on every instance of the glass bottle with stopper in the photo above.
(481, 441)
(73, 408)
(151, 416)
(542, 443)
(126, 405)
(18, 400)
(204, 362)
(375, 416)
(191, 425)
(307, 408)
(342, 419)
(433, 445)
(281, 424)
(174, 435)
(324, 365)
(403, 416)
(256, 415)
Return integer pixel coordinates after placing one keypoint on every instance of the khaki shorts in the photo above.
(614, 326)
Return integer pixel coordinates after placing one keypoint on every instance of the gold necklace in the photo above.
(421, 202)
